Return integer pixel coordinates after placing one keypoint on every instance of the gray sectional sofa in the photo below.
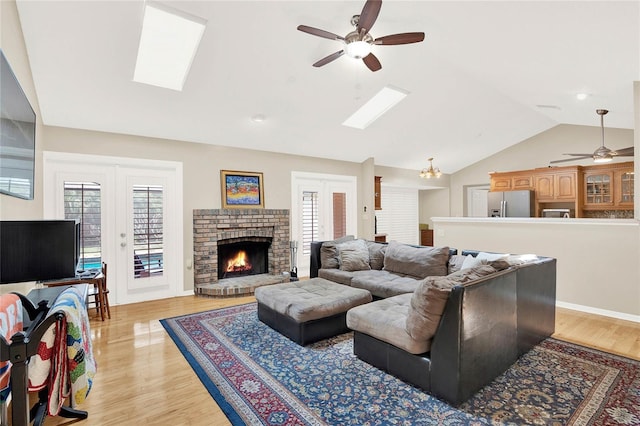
(450, 332)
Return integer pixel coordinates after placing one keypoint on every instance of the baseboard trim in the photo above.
(598, 311)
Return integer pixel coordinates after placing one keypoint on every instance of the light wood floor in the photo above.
(143, 379)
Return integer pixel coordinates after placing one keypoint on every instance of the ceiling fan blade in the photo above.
(571, 159)
(404, 38)
(319, 32)
(369, 15)
(580, 155)
(372, 62)
(624, 152)
(330, 58)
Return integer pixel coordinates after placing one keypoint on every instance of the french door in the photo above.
(132, 210)
(323, 207)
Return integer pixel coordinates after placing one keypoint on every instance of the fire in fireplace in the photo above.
(242, 258)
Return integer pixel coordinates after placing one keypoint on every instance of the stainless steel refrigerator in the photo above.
(511, 203)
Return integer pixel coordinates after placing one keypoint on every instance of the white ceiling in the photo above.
(488, 75)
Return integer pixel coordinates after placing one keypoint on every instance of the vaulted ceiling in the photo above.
(488, 75)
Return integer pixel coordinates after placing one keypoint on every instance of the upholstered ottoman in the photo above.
(310, 310)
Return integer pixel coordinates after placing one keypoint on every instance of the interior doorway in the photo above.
(476, 200)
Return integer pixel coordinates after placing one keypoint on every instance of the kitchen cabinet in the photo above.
(511, 181)
(598, 186)
(578, 188)
(557, 186)
(377, 192)
(609, 186)
(624, 186)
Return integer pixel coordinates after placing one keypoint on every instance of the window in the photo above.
(339, 215)
(148, 230)
(82, 202)
(309, 220)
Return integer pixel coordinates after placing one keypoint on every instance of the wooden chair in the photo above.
(100, 294)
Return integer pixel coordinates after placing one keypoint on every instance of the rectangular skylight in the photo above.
(168, 44)
(381, 102)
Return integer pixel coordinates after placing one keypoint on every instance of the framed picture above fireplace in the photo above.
(241, 189)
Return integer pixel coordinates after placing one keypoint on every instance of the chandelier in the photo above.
(430, 172)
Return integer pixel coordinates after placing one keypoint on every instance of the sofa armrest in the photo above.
(314, 264)
(477, 337)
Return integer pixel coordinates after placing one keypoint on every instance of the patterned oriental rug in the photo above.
(259, 377)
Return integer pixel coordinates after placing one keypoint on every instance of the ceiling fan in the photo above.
(602, 154)
(358, 43)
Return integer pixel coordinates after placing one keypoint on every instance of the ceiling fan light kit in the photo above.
(602, 154)
(358, 43)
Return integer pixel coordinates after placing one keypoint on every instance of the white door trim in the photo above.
(56, 162)
(323, 182)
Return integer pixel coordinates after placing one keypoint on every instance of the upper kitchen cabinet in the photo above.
(609, 186)
(511, 181)
(560, 184)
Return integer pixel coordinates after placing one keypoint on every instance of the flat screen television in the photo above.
(34, 250)
(17, 136)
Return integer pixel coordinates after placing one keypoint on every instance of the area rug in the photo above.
(259, 377)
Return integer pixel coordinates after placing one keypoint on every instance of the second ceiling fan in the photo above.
(358, 43)
(602, 154)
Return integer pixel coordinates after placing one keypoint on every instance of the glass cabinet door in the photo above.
(598, 188)
(626, 187)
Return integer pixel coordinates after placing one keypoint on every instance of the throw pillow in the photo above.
(430, 298)
(420, 262)
(455, 263)
(329, 253)
(491, 256)
(354, 255)
(470, 262)
(376, 254)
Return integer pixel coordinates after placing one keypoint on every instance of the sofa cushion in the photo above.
(420, 262)
(353, 255)
(470, 262)
(385, 320)
(429, 300)
(384, 283)
(376, 254)
(336, 275)
(329, 253)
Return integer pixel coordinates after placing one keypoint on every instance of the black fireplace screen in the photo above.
(242, 258)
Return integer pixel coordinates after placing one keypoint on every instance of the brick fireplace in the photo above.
(211, 226)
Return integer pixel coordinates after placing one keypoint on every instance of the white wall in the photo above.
(597, 260)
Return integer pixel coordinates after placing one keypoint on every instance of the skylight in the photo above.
(381, 102)
(168, 44)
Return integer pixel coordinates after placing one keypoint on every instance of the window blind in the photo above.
(399, 215)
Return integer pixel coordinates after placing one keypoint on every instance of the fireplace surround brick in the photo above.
(211, 225)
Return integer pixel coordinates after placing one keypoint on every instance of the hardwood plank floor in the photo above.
(144, 379)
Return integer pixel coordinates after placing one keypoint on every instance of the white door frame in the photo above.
(321, 182)
(60, 166)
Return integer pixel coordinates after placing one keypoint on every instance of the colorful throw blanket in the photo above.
(10, 324)
(64, 362)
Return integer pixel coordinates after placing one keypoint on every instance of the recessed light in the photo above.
(582, 96)
(258, 118)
